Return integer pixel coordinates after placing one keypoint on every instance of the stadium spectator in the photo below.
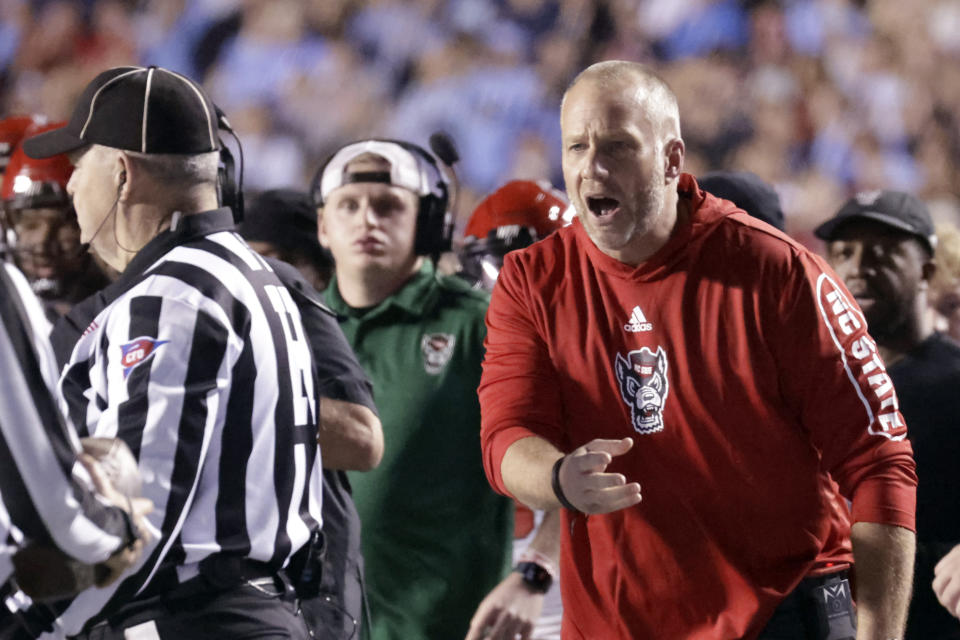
(817, 97)
(945, 285)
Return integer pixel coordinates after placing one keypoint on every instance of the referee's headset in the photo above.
(434, 227)
(229, 179)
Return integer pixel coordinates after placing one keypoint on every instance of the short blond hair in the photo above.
(660, 98)
(947, 258)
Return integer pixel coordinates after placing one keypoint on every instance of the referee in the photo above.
(198, 362)
(41, 504)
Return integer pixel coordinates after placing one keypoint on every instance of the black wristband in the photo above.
(535, 577)
(557, 491)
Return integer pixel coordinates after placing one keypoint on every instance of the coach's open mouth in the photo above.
(600, 206)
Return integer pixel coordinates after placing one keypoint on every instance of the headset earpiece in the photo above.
(229, 178)
(434, 233)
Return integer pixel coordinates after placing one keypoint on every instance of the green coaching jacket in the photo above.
(436, 538)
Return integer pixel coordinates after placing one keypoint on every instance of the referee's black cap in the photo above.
(145, 109)
(748, 191)
(896, 209)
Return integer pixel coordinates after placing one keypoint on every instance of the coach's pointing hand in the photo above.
(579, 478)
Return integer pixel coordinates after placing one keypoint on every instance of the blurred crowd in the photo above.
(822, 98)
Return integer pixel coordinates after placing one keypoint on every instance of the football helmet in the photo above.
(514, 216)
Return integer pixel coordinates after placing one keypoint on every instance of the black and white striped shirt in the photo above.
(40, 500)
(200, 364)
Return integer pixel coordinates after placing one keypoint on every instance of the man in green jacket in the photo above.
(436, 539)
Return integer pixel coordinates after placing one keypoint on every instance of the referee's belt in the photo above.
(219, 572)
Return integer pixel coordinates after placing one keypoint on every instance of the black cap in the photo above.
(145, 109)
(895, 209)
(287, 219)
(747, 191)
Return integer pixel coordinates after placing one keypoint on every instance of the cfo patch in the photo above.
(642, 376)
(436, 349)
(138, 350)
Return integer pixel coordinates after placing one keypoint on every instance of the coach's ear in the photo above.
(673, 153)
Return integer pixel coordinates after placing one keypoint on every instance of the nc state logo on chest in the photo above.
(644, 386)
(436, 348)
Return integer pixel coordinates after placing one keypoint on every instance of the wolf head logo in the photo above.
(437, 349)
(644, 386)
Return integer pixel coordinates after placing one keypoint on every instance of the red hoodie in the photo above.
(741, 366)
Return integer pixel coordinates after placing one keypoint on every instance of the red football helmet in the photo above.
(32, 183)
(514, 216)
(39, 224)
(12, 131)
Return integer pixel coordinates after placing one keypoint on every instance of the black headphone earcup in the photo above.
(230, 195)
(229, 181)
(434, 233)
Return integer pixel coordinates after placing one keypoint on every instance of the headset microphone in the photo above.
(443, 147)
(85, 246)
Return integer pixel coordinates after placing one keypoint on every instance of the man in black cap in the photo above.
(198, 361)
(882, 244)
(281, 225)
(748, 191)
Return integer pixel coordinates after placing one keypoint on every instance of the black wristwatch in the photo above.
(535, 577)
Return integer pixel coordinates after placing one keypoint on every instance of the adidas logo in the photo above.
(638, 322)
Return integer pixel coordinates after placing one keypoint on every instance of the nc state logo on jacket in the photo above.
(644, 386)
(437, 349)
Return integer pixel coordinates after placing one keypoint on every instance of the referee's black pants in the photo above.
(265, 609)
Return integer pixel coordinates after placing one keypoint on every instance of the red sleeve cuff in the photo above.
(494, 448)
(884, 502)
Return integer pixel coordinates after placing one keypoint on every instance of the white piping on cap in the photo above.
(203, 102)
(146, 103)
(93, 100)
